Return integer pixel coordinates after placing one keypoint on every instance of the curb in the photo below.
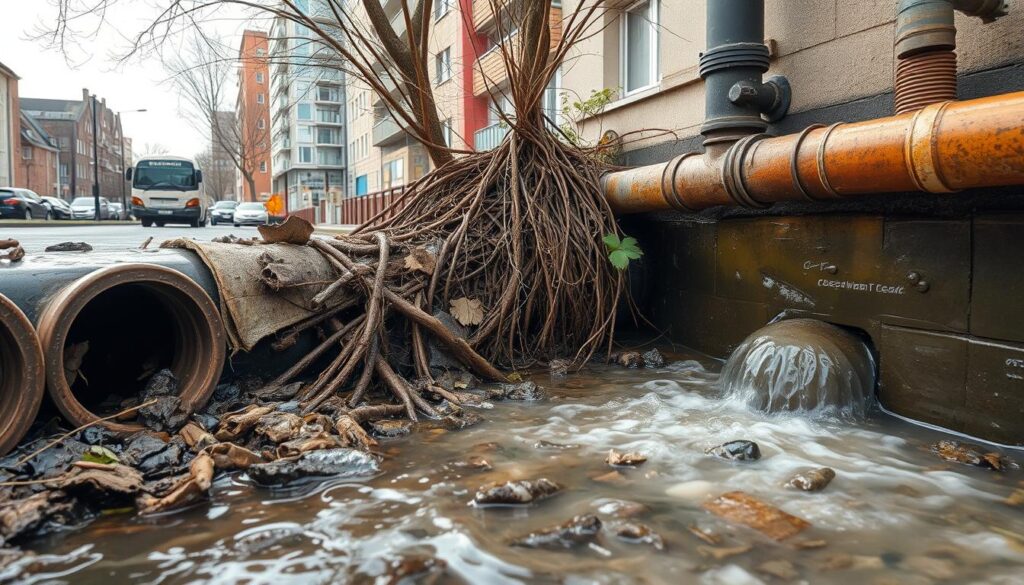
(39, 223)
(335, 229)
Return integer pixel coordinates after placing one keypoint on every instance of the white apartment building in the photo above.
(307, 117)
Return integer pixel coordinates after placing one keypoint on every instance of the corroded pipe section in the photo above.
(135, 317)
(942, 148)
(21, 375)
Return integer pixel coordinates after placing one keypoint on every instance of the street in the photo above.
(112, 236)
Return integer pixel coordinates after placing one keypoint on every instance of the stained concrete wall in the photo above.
(832, 51)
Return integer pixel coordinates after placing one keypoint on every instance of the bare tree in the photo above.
(219, 179)
(153, 149)
(201, 74)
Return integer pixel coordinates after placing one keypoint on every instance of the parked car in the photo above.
(22, 204)
(223, 212)
(85, 208)
(117, 211)
(59, 208)
(251, 213)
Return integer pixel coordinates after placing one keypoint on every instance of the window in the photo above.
(305, 154)
(640, 67)
(305, 112)
(305, 134)
(261, 53)
(259, 77)
(26, 152)
(441, 7)
(446, 131)
(261, 124)
(394, 173)
(326, 136)
(261, 99)
(444, 65)
(263, 166)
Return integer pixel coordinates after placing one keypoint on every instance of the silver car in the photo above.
(85, 208)
(251, 213)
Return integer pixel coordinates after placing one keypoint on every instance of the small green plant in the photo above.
(574, 112)
(620, 252)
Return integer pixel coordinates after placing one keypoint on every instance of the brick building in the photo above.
(253, 112)
(70, 123)
(36, 166)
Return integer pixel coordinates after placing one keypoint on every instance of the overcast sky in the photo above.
(139, 84)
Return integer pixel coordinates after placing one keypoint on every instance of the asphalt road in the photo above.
(105, 236)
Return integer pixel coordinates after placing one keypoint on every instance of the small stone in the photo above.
(742, 508)
(620, 508)
(736, 451)
(319, 463)
(654, 359)
(69, 247)
(629, 359)
(780, 569)
(612, 477)
(844, 561)
(617, 459)
(559, 369)
(719, 553)
(473, 462)
(526, 391)
(970, 454)
(640, 533)
(810, 544)
(578, 531)
(549, 446)
(391, 428)
(1015, 499)
(513, 493)
(461, 420)
(813, 480)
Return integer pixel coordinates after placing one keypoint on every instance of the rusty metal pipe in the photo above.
(942, 148)
(185, 326)
(21, 375)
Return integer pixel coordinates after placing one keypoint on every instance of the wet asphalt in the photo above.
(112, 236)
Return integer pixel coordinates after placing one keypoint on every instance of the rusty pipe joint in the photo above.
(22, 380)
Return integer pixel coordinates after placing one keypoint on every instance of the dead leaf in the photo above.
(101, 480)
(192, 489)
(742, 508)
(294, 230)
(468, 311)
(74, 354)
(420, 259)
(719, 553)
(230, 456)
(239, 423)
(616, 459)
(196, 437)
(353, 434)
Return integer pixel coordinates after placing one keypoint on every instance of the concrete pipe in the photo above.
(136, 319)
(21, 375)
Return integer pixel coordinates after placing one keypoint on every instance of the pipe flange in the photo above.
(920, 151)
(734, 55)
(794, 163)
(22, 380)
(732, 171)
(668, 183)
(200, 350)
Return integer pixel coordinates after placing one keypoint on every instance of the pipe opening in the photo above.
(106, 334)
(21, 375)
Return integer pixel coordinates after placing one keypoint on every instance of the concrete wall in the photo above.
(832, 51)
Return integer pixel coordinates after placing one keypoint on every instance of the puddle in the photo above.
(894, 513)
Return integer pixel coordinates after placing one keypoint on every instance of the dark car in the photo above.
(22, 204)
(59, 209)
(223, 211)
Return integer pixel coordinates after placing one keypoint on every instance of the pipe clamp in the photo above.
(732, 171)
(921, 153)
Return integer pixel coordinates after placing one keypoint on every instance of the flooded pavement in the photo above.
(893, 513)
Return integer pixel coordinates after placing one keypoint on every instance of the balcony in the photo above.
(490, 137)
(489, 69)
(326, 117)
(387, 132)
(483, 15)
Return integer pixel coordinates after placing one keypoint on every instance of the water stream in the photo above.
(895, 513)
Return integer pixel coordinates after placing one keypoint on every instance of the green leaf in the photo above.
(612, 241)
(619, 259)
(98, 454)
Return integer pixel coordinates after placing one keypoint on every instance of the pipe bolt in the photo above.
(913, 277)
(923, 286)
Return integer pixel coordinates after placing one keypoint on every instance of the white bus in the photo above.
(167, 189)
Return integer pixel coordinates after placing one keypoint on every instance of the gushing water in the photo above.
(894, 513)
(805, 366)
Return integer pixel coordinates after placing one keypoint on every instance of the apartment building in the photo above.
(9, 125)
(307, 119)
(70, 123)
(252, 111)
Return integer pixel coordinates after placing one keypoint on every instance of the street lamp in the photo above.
(124, 198)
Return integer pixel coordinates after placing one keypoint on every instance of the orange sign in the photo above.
(275, 205)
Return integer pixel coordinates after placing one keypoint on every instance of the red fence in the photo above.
(359, 209)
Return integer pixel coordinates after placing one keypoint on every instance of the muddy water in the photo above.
(895, 513)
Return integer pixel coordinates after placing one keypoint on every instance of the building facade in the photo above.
(38, 159)
(9, 125)
(70, 123)
(252, 110)
(308, 121)
(219, 177)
